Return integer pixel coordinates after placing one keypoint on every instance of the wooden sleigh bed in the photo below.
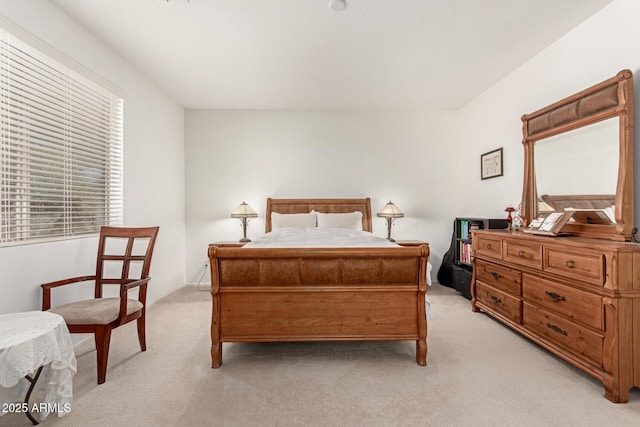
(318, 294)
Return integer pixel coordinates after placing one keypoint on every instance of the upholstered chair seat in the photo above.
(97, 311)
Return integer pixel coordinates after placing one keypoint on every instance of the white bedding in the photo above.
(323, 237)
(319, 237)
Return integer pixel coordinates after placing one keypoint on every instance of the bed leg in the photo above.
(216, 343)
(216, 355)
(421, 352)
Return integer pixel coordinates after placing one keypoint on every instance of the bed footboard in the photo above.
(318, 294)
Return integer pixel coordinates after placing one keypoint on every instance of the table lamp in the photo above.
(390, 212)
(244, 212)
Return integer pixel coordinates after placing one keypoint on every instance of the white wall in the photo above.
(405, 157)
(594, 51)
(153, 171)
(427, 162)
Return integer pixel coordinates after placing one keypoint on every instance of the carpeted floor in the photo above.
(479, 373)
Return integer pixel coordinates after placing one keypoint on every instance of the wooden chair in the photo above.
(124, 259)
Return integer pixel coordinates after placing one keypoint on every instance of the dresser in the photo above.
(577, 297)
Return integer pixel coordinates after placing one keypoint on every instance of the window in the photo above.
(60, 147)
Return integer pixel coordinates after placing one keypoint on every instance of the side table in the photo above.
(36, 354)
(230, 244)
(411, 242)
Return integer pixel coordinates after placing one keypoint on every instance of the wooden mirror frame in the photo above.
(610, 98)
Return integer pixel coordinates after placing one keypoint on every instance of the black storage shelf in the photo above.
(462, 267)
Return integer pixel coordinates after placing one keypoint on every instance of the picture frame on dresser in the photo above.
(549, 223)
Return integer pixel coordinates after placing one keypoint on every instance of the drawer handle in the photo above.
(495, 275)
(570, 263)
(556, 329)
(520, 254)
(488, 245)
(555, 297)
(495, 299)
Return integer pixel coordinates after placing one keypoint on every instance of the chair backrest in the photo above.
(124, 255)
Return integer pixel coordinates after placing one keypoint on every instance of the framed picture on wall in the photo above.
(491, 164)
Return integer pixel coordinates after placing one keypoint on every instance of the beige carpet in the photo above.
(479, 373)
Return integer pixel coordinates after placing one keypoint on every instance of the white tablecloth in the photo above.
(28, 341)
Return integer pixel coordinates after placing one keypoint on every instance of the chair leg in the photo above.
(103, 338)
(142, 336)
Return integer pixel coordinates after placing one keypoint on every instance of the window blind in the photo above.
(60, 148)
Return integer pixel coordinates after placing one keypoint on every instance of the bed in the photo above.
(280, 294)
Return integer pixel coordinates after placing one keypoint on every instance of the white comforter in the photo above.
(320, 237)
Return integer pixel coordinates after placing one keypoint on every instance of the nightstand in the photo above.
(230, 244)
(411, 242)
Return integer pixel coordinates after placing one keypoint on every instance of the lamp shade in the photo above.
(244, 211)
(390, 211)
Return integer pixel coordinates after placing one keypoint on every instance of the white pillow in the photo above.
(352, 220)
(304, 220)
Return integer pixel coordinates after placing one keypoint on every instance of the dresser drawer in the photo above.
(500, 302)
(585, 266)
(502, 278)
(529, 254)
(488, 246)
(572, 303)
(573, 337)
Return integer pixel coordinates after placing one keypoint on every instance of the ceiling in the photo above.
(300, 54)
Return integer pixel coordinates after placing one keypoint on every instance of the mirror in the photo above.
(579, 155)
(593, 149)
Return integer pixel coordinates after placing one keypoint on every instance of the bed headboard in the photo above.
(290, 206)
